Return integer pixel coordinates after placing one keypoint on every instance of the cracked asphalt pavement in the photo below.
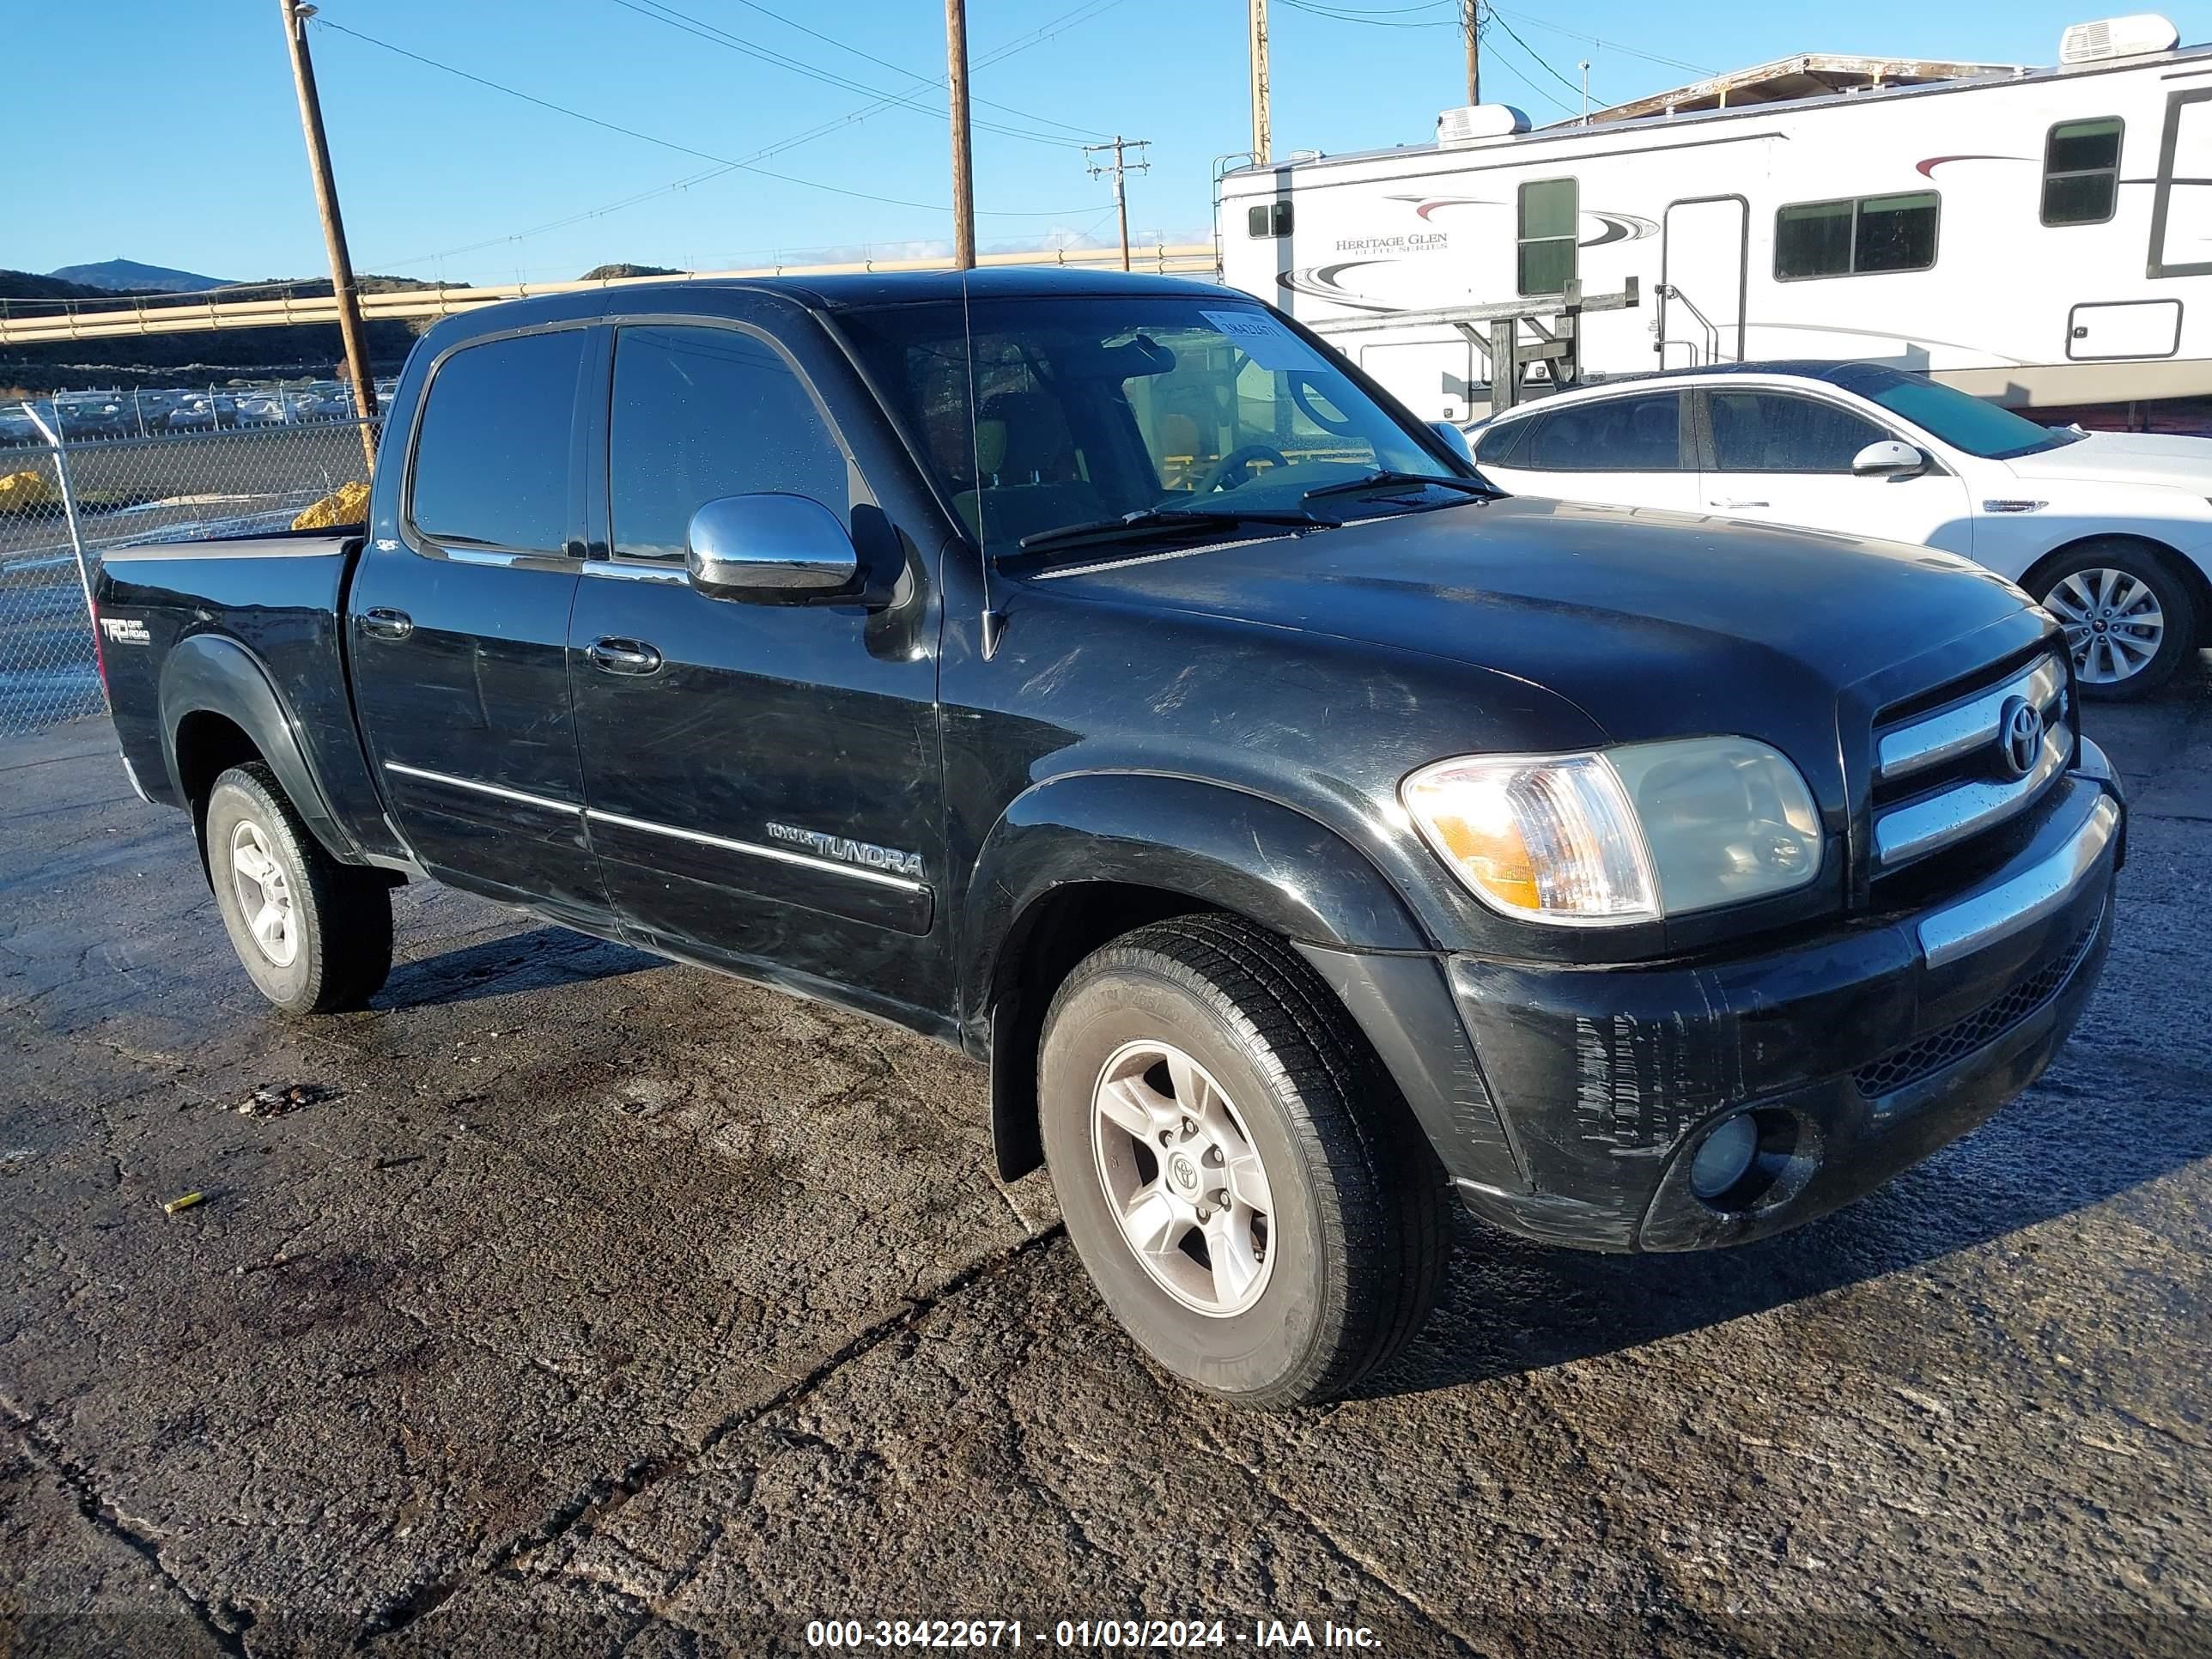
(590, 1303)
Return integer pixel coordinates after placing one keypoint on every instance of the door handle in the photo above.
(1725, 506)
(623, 657)
(383, 623)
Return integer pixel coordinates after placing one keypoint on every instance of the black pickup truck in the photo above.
(1102, 676)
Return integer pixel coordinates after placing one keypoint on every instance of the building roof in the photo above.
(1808, 75)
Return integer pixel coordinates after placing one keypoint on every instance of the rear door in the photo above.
(764, 779)
(457, 630)
(1784, 457)
(1627, 451)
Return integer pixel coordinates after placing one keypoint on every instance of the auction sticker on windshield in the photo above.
(1263, 339)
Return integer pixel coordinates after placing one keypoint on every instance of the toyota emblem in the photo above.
(2020, 735)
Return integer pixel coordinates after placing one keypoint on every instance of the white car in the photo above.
(2111, 532)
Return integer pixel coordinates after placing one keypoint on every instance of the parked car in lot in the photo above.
(1298, 843)
(2111, 532)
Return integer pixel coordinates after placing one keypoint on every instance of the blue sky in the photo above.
(165, 131)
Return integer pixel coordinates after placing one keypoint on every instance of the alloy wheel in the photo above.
(1183, 1178)
(265, 894)
(2114, 624)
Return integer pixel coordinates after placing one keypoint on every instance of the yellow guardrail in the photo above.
(166, 316)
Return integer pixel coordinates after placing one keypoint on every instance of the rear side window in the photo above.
(491, 456)
(1619, 435)
(1774, 432)
(701, 413)
(2082, 172)
(1496, 444)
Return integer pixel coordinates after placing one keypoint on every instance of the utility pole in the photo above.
(1261, 137)
(1585, 69)
(327, 200)
(1119, 166)
(1473, 51)
(963, 161)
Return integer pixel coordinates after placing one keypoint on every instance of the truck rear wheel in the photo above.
(315, 935)
(1241, 1179)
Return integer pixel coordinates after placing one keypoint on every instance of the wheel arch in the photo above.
(2190, 573)
(1080, 859)
(220, 709)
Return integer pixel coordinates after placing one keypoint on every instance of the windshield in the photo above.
(1960, 420)
(1086, 410)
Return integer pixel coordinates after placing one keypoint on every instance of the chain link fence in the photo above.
(63, 505)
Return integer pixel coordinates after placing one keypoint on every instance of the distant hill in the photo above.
(609, 273)
(129, 276)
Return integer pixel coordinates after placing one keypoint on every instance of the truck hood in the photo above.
(2137, 457)
(1656, 624)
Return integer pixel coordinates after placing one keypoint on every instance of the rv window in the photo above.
(1549, 212)
(2082, 172)
(1269, 219)
(1773, 432)
(1813, 239)
(1616, 435)
(1849, 238)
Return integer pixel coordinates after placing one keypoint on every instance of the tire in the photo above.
(331, 947)
(1336, 1272)
(2115, 583)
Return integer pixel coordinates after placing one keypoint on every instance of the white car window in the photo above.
(1774, 432)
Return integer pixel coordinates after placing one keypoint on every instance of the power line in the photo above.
(722, 162)
(1539, 56)
(884, 63)
(710, 32)
(1074, 17)
(1535, 22)
(1371, 20)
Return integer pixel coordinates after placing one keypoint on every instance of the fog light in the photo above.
(1723, 1156)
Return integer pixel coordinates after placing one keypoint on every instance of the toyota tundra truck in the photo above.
(1102, 676)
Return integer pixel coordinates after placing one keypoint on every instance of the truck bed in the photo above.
(174, 616)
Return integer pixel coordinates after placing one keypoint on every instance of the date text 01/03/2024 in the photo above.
(1106, 1633)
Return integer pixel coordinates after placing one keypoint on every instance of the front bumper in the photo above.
(1574, 1115)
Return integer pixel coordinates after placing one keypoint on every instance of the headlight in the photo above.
(1630, 833)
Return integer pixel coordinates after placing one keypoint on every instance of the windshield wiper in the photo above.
(1151, 521)
(1383, 477)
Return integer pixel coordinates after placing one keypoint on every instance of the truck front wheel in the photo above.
(315, 935)
(1241, 1179)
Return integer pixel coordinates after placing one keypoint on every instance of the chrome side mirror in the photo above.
(1456, 439)
(768, 547)
(1889, 459)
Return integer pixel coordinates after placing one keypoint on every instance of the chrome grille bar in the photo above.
(1930, 741)
(1937, 821)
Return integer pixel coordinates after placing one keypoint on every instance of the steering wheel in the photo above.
(1302, 391)
(1238, 461)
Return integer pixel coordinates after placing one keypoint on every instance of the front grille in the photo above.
(1944, 769)
(1903, 1067)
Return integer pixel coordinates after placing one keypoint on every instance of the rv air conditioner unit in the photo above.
(2117, 37)
(1474, 124)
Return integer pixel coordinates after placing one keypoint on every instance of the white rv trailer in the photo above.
(2038, 236)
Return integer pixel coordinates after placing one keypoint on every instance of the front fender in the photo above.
(207, 673)
(1223, 846)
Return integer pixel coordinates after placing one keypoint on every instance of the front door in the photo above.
(1701, 277)
(764, 779)
(1781, 458)
(458, 630)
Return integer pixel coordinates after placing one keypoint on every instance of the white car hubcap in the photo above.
(1183, 1178)
(265, 895)
(2113, 622)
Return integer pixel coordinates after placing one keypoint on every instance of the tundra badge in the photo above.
(848, 851)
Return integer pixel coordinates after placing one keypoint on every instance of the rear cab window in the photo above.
(490, 467)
